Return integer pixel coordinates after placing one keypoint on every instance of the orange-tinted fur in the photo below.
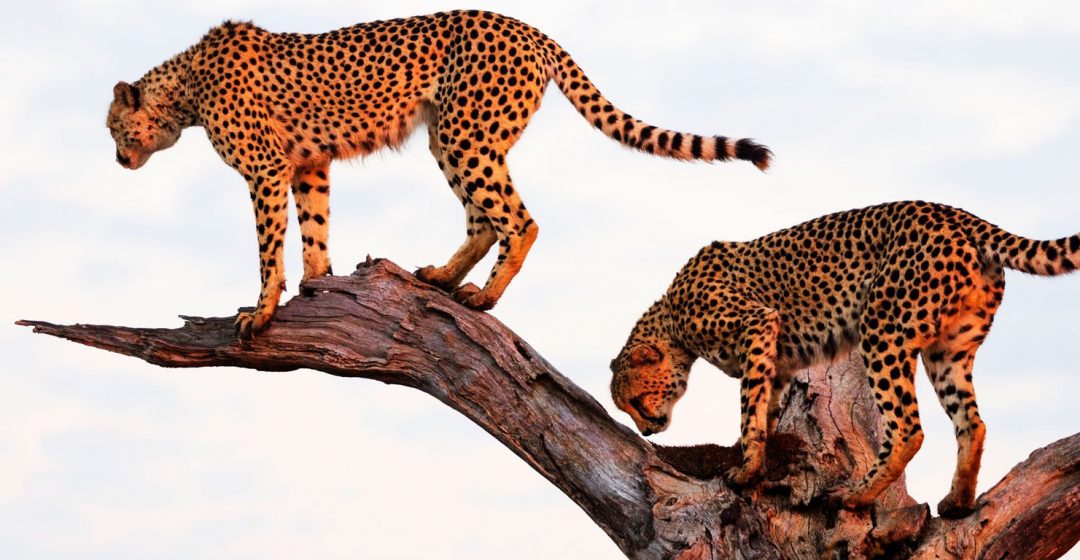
(897, 282)
(278, 107)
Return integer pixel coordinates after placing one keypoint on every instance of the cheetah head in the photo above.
(137, 127)
(646, 383)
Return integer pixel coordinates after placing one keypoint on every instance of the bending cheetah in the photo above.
(278, 107)
(896, 281)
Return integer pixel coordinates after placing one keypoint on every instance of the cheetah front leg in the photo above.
(311, 193)
(269, 197)
(780, 381)
(757, 358)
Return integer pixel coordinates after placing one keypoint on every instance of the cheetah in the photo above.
(279, 107)
(895, 282)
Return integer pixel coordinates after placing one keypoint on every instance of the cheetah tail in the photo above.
(1044, 258)
(633, 133)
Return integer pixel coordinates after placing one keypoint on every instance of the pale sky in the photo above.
(974, 104)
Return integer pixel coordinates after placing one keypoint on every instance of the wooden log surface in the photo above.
(654, 502)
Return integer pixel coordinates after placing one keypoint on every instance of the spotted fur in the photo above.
(897, 282)
(279, 107)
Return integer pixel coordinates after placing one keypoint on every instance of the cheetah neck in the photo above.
(656, 328)
(166, 91)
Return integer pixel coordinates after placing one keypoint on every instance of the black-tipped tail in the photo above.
(753, 152)
(638, 134)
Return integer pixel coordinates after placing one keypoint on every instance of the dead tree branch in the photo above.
(654, 502)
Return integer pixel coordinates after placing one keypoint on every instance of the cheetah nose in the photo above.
(647, 432)
(121, 159)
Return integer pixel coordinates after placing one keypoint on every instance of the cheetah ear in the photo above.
(126, 94)
(643, 354)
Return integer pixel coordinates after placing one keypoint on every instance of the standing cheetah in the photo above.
(278, 107)
(895, 281)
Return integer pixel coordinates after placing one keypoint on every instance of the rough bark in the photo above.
(654, 502)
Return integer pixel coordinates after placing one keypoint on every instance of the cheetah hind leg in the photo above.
(902, 434)
(479, 237)
(515, 240)
(949, 372)
(311, 194)
(492, 194)
(949, 363)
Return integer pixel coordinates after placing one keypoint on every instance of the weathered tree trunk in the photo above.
(655, 502)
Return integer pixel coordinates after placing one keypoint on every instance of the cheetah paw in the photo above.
(431, 275)
(248, 323)
(308, 291)
(743, 475)
(952, 507)
(473, 297)
(845, 497)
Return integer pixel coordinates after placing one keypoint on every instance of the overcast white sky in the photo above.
(975, 104)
